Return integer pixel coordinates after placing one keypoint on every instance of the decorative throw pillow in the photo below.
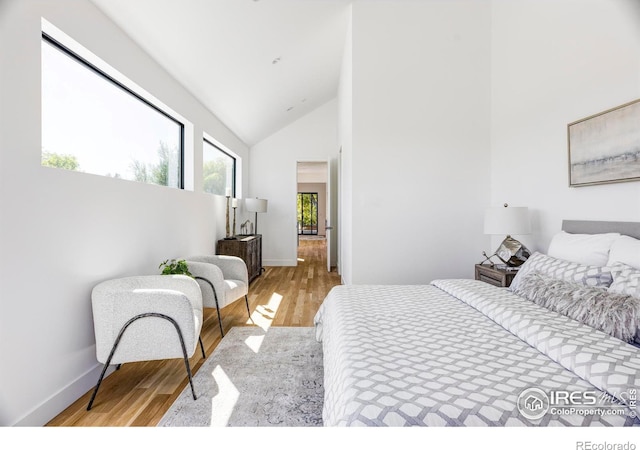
(610, 312)
(588, 249)
(626, 280)
(564, 270)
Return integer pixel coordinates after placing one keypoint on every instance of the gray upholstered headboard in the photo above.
(594, 227)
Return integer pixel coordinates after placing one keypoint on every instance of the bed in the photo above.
(462, 352)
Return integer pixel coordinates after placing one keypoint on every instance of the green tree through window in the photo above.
(69, 162)
(159, 173)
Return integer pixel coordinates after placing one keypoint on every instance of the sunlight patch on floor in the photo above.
(263, 315)
(254, 342)
(225, 400)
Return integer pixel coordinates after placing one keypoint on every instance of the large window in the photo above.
(219, 170)
(93, 123)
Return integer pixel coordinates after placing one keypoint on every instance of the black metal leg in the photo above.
(95, 390)
(218, 311)
(215, 296)
(246, 300)
(117, 341)
(186, 362)
(204, 356)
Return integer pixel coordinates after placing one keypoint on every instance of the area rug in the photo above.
(256, 378)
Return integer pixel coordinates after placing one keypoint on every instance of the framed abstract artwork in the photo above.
(605, 147)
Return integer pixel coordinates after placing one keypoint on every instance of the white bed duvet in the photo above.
(465, 353)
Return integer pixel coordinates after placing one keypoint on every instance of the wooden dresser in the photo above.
(247, 247)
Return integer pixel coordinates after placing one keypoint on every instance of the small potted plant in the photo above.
(175, 267)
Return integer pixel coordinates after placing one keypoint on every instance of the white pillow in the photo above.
(588, 249)
(626, 250)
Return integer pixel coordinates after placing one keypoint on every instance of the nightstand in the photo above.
(500, 277)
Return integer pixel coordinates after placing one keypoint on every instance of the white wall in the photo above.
(418, 166)
(273, 176)
(62, 232)
(555, 62)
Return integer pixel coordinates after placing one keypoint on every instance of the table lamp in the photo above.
(256, 205)
(508, 220)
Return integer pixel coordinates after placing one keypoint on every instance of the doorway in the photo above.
(317, 188)
(312, 219)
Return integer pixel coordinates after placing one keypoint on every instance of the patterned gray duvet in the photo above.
(465, 353)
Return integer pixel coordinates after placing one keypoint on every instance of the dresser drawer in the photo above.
(495, 276)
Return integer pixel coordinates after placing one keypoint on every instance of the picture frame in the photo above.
(605, 147)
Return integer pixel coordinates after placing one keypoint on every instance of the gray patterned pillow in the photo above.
(610, 312)
(626, 280)
(563, 270)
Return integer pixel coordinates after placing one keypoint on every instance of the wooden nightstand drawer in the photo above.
(495, 276)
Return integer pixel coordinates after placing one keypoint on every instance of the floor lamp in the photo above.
(256, 205)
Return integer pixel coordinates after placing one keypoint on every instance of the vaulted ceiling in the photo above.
(257, 65)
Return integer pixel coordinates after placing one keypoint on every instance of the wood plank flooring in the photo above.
(139, 394)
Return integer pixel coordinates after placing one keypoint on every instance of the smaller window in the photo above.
(219, 170)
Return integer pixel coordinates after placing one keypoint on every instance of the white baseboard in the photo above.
(279, 262)
(62, 399)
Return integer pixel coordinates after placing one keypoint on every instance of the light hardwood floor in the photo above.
(140, 393)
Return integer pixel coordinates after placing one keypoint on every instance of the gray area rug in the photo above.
(256, 378)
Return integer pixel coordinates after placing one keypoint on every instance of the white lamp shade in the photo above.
(507, 220)
(257, 205)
